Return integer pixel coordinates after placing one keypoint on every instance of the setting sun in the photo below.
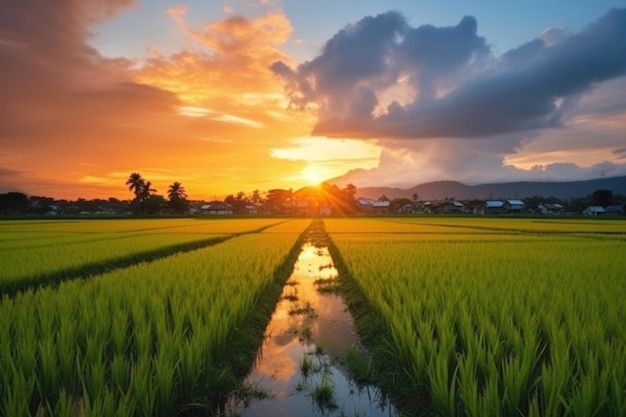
(312, 177)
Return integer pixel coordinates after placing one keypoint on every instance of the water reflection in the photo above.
(297, 363)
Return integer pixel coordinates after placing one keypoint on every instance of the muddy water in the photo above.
(297, 371)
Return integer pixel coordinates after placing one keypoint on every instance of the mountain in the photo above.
(441, 189)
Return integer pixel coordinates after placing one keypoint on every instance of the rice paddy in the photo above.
(463, 316)
(528, 321)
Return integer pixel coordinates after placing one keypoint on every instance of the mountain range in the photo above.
(440, 190)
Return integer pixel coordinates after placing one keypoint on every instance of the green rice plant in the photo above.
(65, 405)
(165, 370)
(48, 375)
(323, 394)
(442, 385)
(54, 263)
(142, 387)
(17, 395)
(119, 373)
(149, 338)
(190, 367)
(515, 320)
(305, 365)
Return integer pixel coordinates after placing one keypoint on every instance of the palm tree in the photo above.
(176, 191)
(147, 190)
(136, 184)
(178, 197)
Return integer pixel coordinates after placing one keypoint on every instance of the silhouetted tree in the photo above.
(397, 204)
(147, 191)
(238, 202)
(136, 184)
(415, 196)
(279, 201)
(153, 203)
(601, 197)
(349, 197)
(176, 191)
(256, 196)
(177, 197)
(13, 202)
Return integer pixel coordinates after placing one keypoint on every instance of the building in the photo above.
(514, 206)
(549, 208)
(216, 209)
(614, 210)
(368, 205)
(495, 207)
(452, 207)
(594, 211)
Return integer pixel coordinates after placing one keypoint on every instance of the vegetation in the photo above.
(462, 316)
(147, 340)
(527, 320)
(38, 253)
(324, 199)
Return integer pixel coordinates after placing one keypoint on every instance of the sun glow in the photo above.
(312, 177)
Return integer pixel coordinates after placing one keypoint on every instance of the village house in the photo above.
(615, 210)
(452, 207)
(549, 208)
(514, 206)
(216, 209)
(368, 205)
(476, 207)
(594, 211)
(495, 207)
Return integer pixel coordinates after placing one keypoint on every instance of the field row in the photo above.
(140, 341)
(70, 249)
(498, 325)
(486, 227)
(476, 317)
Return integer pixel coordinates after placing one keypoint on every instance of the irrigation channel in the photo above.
(300, 367)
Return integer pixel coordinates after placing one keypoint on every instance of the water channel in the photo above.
(298, 370)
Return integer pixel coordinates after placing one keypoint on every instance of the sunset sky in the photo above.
(228, 96)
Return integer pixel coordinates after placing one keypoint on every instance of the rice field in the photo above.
(526, 320)
(141, 340)
(471, 317)
(40, 252)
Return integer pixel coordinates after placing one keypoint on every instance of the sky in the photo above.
(243, 95)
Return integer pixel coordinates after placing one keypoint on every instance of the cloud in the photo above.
(442, 106)
(458, 88)
(226, 65)
(50, 75)
(71, 119)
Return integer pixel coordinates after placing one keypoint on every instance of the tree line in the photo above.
(146, 200)
(322, 199)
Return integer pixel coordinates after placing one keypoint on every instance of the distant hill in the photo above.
(442, 189)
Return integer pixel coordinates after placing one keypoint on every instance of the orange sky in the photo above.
(209, 116)
(216, 114)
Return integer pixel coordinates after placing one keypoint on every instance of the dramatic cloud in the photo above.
(75, 123)
(226, 68)
(472, 116)
(452, 86)
(433, 102)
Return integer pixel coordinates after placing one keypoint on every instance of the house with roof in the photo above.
(475, 207)
(615, 210)
(367, 205)
(594, 211)
(514, 206)
(452, 207)
(495, 207)
(549, 208)
(216, 209)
